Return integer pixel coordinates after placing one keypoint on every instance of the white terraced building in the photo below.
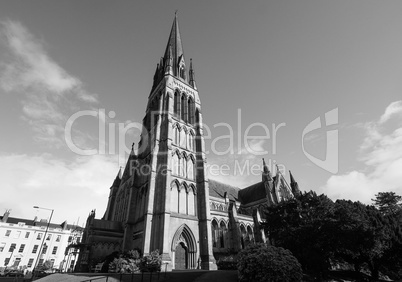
(21, 241)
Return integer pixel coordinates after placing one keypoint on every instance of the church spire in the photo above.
(294, 185)
(174, 42)
(266, 174)
(191, 75)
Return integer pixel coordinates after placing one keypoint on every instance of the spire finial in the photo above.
(132, 146)
(191, 75)
(175, 12)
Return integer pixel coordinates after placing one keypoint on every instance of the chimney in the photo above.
(5, 216)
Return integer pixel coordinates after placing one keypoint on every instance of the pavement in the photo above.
(182, 276)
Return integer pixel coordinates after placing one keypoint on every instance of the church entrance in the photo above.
(184, 249)
(180, 261)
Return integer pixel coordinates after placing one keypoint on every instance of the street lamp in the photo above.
(43, 240)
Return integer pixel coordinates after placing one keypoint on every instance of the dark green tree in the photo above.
(259, 262)
(388, 202)
(304, 225)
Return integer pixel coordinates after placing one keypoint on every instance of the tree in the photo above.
(259, 262)
(388, 202)
(46, 265)
(305, 227)
(319, 232)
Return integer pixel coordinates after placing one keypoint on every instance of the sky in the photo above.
(313, 86)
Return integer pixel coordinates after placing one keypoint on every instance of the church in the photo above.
(163, 199)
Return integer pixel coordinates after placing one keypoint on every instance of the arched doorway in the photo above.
(181, 254)
(184, 249)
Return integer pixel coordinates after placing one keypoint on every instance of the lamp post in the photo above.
(43, 240)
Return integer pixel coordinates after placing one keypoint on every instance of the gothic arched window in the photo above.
(183, 199)
(175, 163)
(190, 140)
(176, 111)
(243, 236)
(183, 166)
(190, 107)
(174, 198)
(182, 72)
(183, 138)
(250, 234)
(183, 108)
(190, 168)
(222, 234)
(215, 232)
(191, 200)
(176, 135)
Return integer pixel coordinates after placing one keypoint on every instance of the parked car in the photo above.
(13, 273)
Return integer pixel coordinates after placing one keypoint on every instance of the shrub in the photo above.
(122, 265)
(227, 263)
(126, 263)
(151, 262)
(259, 262)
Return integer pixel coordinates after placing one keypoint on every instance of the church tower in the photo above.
(168, 208)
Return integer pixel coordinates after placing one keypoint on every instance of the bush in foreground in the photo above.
(259, 262)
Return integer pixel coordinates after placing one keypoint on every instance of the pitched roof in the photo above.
(252, 193)
(218, 189)
(31, 222)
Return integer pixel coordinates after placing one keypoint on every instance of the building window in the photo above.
(58, 238)
(182, 200)
(17, 235)
(70, 238)
(54, 250)
(30, 262)
(8, 232)
(16, 262)
(2, 246)
(39, 236)
(49, 236)
(35, 249)
(40, 262)
(174, 198)
(190, 168)
(191, 201)
(182, 141)
(78, 239)
(6, 261)
(12, 247)
(72, 264)
(22, 247)
(27, 235)
(176, 109)
(190, 111)
(183, 109)
(215, 232)
(44, 249)
(222, 234)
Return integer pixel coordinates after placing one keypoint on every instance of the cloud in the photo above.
(49, 92)
(381, 152)
(73, 189)
(393, 109)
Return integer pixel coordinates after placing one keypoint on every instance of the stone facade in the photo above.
(163, 199)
